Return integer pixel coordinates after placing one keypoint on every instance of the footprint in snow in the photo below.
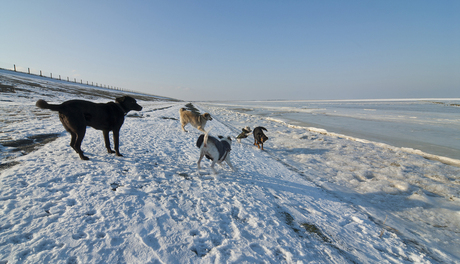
(72, 260)
(71, 202)
(151, 241)
(79, 235)
(21, 238)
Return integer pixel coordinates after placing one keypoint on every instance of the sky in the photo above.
(241, 50)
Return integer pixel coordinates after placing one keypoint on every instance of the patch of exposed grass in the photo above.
(29, 144)
(310, 229)
(313, 229)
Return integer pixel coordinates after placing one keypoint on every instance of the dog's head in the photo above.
(227, 139)
(129, 103)
(263, 138)
(207, 116)
(247, 130)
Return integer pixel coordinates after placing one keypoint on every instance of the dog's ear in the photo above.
(220, 137)
(229, 138)
(120, 99)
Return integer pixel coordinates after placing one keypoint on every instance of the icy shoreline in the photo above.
(428, 125)
(445, 160)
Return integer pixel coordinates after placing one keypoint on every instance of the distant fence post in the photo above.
(75, 80)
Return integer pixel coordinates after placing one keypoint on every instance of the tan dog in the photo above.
(198, 121)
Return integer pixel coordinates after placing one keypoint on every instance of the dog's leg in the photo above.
(73, 138)
(73, 135)
(116, 142)
(199, 160)
(80, 135)
(75, 125)
(262, 146)
(230, 164)
(257, 144)
(212, 167)
(107, 141)
(183, 126)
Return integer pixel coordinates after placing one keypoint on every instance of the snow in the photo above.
(309, 197)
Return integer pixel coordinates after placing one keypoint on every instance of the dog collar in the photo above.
(122, 109)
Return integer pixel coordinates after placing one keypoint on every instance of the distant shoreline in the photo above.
(336, 100)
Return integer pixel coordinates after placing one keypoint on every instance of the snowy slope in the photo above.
(288, 204)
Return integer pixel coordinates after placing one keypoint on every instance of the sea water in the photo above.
(429, 125)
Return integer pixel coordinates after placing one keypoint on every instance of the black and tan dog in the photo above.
(76, 115)
(259, 137)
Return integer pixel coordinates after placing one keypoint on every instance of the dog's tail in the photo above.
(263, 128)
(205, 141)
(44, 105)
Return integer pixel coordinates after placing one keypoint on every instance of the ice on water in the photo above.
(428, 125)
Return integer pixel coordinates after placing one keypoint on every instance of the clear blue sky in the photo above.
(221, 50)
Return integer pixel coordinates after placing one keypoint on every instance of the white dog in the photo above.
(215, 150)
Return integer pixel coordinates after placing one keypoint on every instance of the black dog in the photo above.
(76, 115)
(259, 137)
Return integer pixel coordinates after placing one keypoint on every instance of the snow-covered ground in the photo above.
(310, 197)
